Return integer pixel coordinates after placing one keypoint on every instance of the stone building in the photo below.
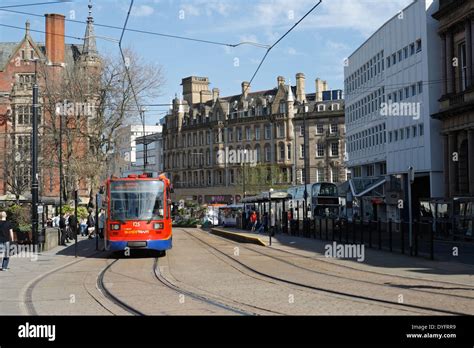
(456, 29)
(50, 60)
(218, 149)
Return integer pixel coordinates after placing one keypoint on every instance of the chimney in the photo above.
(215, 94)
(280, 80)
(55, 45)
(300, 87)
(205, 96)
(321, 86)
(245, 89)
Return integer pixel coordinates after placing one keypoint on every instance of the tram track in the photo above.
(390, 304)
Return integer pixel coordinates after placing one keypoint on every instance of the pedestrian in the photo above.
(6, 236)
(90, 225)
(83, 227)
(264, 225)
(101, 223)
(62, 228)
(253, 220)
(56, 221)
(72, 222)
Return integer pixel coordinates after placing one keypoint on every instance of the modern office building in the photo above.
(390, 94)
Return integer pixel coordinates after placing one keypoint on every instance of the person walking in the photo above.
(72, 222)
(62, 229)
(253, 220)
(83, 227)
(90, 225)
(101, 223)
(6, 236)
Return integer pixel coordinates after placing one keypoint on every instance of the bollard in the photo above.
(415, 237)
(347, 231)
(390, 234)
(332, 229)
(320, 228)
(326, 226)
(379, 232)
(432, 244)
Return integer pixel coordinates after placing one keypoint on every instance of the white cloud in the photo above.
(208, 7)
(142, 11)
(336, 46)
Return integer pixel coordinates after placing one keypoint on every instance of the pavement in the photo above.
(26, 268)
(375, 260)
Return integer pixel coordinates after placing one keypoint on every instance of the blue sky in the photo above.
(317, 47)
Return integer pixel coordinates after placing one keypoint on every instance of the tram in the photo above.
(138, 213)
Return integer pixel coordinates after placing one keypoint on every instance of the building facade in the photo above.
(128, 154)
(49, 62)
(456, 31)
(219, 149)
(389, 100)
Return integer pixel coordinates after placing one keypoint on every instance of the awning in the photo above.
(360, 187)
(265, 197)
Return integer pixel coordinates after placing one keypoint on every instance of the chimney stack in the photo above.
(215, 94)
(280, 80)
(300, 87)
(245, 89)
(205, 96)
(321, 86)
(55, 45)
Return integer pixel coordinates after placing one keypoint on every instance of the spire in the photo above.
(90, 47)
(290, 93)
(27, 28)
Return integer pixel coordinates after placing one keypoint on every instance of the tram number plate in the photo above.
(137, 244)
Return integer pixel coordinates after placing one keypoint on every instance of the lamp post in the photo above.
(270, 230)
(34, 162)
(272, 121)
(305, 167)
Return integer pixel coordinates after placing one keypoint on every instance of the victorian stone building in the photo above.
(219, 149)
(456, 29)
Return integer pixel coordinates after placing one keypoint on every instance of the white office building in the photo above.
(391, 89)
(124, 159)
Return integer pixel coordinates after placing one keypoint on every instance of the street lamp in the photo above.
(34, 162)
(270, 230)
(305, 166)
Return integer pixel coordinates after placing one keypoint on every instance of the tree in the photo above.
(17, 169)
(94, 103)
(262, 177)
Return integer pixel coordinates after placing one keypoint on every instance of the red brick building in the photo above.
(17, 75)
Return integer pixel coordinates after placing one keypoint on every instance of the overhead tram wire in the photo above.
(36, 4)
(171, 36)
(278, 41)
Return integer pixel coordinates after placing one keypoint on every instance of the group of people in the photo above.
(69, 226)
(6, 237)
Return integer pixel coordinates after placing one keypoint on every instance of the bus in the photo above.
(322, 200)
(138, 213)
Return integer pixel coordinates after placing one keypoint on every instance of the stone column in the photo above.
(470, 158)
(453, 172)
(468, 32)
(444, 64)
(449, 63)
(446, 160)
(472, 50)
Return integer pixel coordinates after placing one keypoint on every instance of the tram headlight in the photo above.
(158, 226)
(115, 227)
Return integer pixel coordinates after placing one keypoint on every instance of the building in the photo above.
(390, 95)
(219, 149)
(456, 30)
(149, 154)
(51, 61)
(128, 154)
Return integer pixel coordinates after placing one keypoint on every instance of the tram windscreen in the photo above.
(136, 200)
(328, 190)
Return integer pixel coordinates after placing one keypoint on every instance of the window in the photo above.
(334, 175)
(413, 90)
(370, 170)
(320, 175)
(388, 62)
(239, 134)
(407, 92)
(232, 177)
(421, 129)
(248, 133)
(334, 149)
(333, 128)
(319, 128)
(280, 131)
(282, 108)
(402, 134)
(395, 138)
(289, 151)
(394, 59)
(301, 131)
(405, 52)
(420, 87)
(302, 151)
(412, 49)
(320, 150)
(282, 152)
(267, 131)
(418, 45)
(257, 132)
(267, 153)
(400, 57)
(24, 115)
(414, 129)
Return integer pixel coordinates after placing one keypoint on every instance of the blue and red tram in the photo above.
(138, 213)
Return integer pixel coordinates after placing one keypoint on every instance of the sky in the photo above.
(317, 47)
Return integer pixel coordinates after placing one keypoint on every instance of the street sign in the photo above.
(40, 209)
